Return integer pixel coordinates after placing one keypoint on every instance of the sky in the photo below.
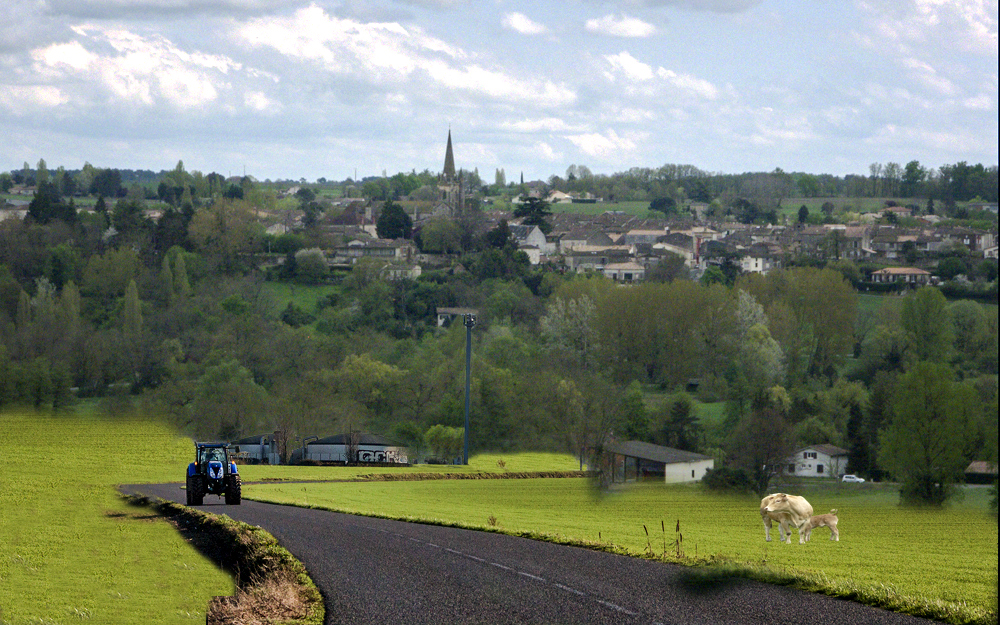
(306, 89)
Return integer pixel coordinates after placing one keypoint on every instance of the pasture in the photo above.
(934, 562)
(71, 549)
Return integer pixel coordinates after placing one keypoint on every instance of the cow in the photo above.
(787, 510)
(823, 520)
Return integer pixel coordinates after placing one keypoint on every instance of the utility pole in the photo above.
(470, 322)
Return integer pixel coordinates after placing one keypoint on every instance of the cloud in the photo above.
(135, 69)
(390, 55)
(908, 25)
(637, 71)
(620, 26)
(604, 145)
(521, 23)
(547, 124)
(630, 66)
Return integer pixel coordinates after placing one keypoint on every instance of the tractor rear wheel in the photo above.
(195, 490)
(234, 490)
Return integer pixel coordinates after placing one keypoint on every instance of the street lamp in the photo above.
(470, 322)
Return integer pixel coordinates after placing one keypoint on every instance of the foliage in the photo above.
(923, 444)
(394, 223)
(728, 479)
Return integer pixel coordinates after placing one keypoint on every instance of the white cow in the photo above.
(787, 510)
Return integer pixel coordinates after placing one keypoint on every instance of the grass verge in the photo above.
(271, 585)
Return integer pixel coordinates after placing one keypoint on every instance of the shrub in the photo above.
(728, 479)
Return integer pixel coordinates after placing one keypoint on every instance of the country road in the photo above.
(378, 571)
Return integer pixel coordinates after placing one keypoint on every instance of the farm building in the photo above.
(635, 460)
(261, 449)
(818, 461)
(980, 472)
(363, 448)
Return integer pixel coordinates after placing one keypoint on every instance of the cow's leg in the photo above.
(834, 533)
(802, 534)
(785, 531)
(767, 528)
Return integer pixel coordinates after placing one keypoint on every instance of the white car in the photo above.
(852, 478)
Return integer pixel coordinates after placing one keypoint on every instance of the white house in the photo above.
(818, 461)
(625, 272)
(633, 460)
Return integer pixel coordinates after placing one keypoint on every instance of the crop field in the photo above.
(906, 559)
(70, 549)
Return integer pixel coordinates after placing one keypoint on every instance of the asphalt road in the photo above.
(378, 571)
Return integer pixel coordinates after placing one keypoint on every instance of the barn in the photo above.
(636, 460)
(355, 447)
(261, 449)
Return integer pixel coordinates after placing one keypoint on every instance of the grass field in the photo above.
(940, 562)
(304, 297)
(71, 549)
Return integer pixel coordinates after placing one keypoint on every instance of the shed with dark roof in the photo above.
(635, 460)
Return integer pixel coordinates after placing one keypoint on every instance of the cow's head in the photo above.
(779, 503)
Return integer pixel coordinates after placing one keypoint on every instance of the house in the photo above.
(586, 257)
(821, 460)
(354, 447)
(531, 236)
(580, 238)
(629, 461)
(760, 258)
(625, 272)
(909, 275)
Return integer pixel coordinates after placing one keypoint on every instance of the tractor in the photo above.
(213, 473)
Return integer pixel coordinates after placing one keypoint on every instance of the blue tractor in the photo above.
(213, 473)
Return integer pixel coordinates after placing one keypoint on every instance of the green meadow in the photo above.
(939, 563)
(70, 549)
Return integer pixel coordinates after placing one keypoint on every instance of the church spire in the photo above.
(449, 160)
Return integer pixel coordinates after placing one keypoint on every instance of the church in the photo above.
(451, 202)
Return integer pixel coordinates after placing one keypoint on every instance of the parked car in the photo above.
(852, 478)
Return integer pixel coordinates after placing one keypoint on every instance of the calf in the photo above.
(823, 520)
(787, 510)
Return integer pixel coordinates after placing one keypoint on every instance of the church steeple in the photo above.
(449, 161)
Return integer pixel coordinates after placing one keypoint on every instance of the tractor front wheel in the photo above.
(234, 491)
(195, 490)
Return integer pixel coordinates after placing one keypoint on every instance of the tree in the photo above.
(394, 223)
(923, 445)
(803, 214)
(535, 213)
(924, 318)
(665, 205)
(679, 425)
(760, 445)
(311, 266)
(47, 205)
(107, 183)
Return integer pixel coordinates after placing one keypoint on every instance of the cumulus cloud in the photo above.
(966, 25)
(136, 69)
(521, 23)
(603, 145)
(620, 26)
(635, 70)
(391, 54)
